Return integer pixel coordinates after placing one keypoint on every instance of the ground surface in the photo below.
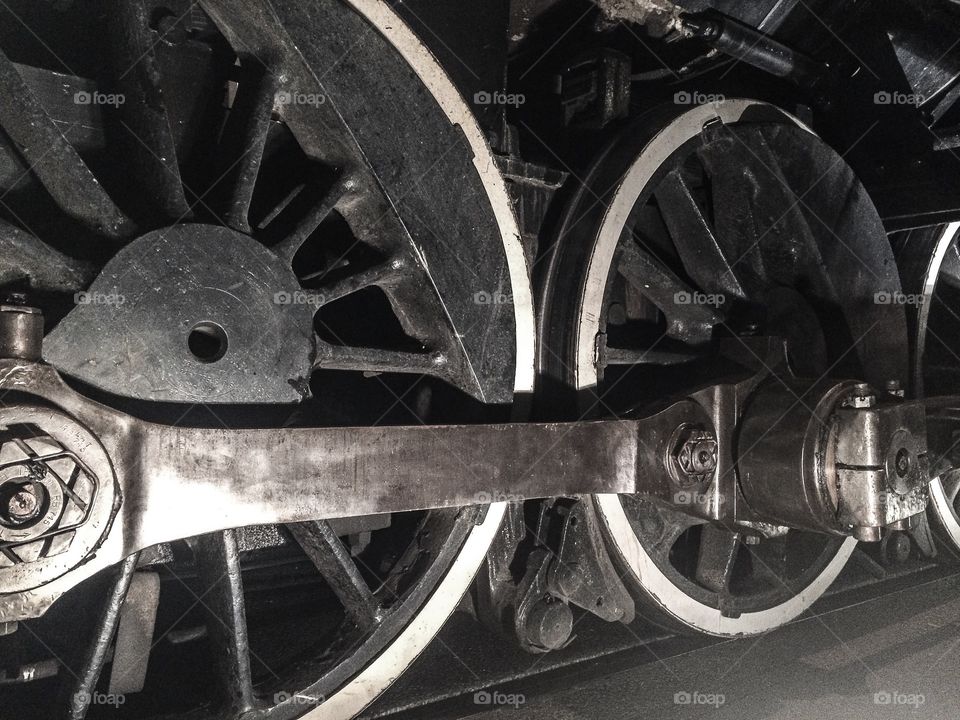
(864, 652)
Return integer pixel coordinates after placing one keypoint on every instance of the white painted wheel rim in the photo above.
(943, 510)
(363, 689)
(623, 541)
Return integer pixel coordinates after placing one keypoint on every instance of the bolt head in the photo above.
(694, 456)
(549, 624)
(569, 579)
(861, 396)
(23, 505)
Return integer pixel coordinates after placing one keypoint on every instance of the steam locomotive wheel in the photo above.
(669, 252)
(255, 233)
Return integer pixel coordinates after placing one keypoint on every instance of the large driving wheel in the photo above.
(265, 213)
(700, 229)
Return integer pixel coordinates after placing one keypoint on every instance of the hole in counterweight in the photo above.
(207, 342)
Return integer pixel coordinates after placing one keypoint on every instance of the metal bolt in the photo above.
(569, 579)
(549, 624)
(903, 462)
(694, 455)
(894, 388)
(23, 505)
(895, 548)
(752, 539)
(14, 298)
(861, 397)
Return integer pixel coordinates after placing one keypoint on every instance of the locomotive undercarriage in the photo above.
(317, 319)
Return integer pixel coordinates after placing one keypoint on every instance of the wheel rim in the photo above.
(349, 695)
(929, 269)
(660, 586)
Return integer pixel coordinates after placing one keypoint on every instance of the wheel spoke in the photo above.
(375, 360)
(328, 554)
(752, 223)
(770, 565)
(661, 527)
(148, 140)
(646, 356)
(218, 568)
(376, 276)
(25, 257)
(288, 247)
(54, 161)
(702, 256)
(715, 561)
(687, 320)
(244, 139)
(81, 690)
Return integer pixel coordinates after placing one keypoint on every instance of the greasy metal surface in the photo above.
(745, 44)
(328, 553)
(838, 255)
(53, 160)
(26, 259)
(245, 477)
(238, 477)
(842, 458)
(218, 567)
(583, 573)
(434, 186)
(131, 651)
(241, 477)
(21, 332)
(62, 454)
(81, 691)
(453, 318)
(134, 330)
(148, 138)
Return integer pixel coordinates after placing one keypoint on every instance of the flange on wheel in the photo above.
(293, 203)
(699, 233)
